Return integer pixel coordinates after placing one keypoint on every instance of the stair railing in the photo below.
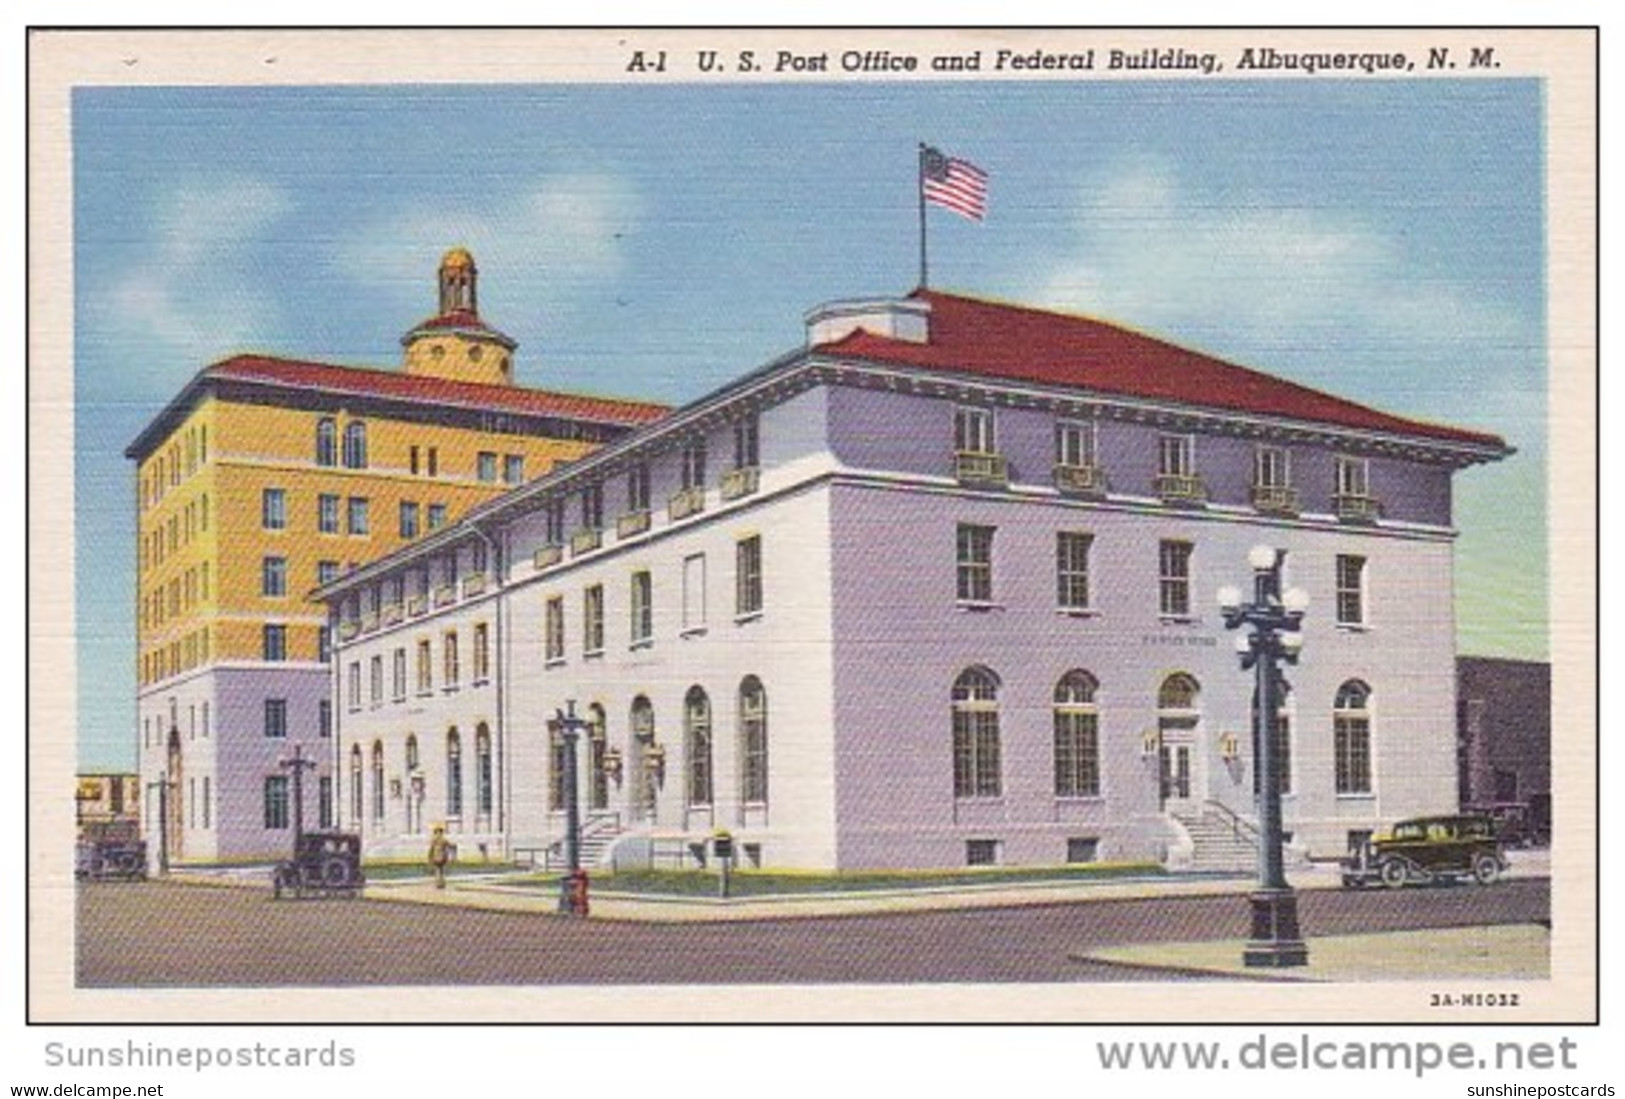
(1240, 827)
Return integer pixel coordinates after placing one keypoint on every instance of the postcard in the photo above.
(1087, 526)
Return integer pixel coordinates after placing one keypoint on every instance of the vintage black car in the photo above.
(112, 849)
(324, 864)
(1429, 849)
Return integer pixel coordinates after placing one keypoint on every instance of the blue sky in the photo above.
(1383, 240)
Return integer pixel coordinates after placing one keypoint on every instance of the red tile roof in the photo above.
(1018, 343)
(463, 320)
(419, 388)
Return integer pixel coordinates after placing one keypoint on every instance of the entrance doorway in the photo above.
(1179, 758)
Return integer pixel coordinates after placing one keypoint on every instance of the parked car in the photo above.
(1515, 822)
(110, 850)
(324, 864)
(1429, 849)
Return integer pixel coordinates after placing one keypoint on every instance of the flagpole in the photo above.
(919, 188)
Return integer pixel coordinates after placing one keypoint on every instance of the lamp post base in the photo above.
(1275, 941)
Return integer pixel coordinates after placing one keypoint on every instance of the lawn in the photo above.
(767, 883)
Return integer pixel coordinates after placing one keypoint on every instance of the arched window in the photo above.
(1351, 735)
(1077, 736)
(454, 774)
(414, 786)
(752, 741)
(355, 445)
(355, 784)
(483, 784)
(697, 746)
(377, 780)
(327, 442)
(597, 745)
(1178, 692)
(976, 734)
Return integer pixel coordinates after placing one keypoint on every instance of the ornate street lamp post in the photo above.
(297, 763)
(163, 785)
(1275, 620)
(573, 889)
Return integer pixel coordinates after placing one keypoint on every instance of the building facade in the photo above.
(266, 477)
(1504, 733)
(933, 590)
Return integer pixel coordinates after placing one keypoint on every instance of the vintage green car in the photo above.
(1429, 849)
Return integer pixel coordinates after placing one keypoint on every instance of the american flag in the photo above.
(953, 184)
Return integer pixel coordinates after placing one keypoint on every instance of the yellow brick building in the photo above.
(265, 477)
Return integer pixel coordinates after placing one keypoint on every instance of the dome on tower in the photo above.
(457, 258)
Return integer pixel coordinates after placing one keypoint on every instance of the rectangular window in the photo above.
(324, 643)
(326, 572)
(425, 668)
(553, 648)
(412, 459)
(694, 592)
(482, 652)
(452, 671)
(274, 642)
(1271, 468)
(376, 680)
(437, 516)
(1350, 590)
(353, 683)
(637, 489)
(1352, 477)
(327, 513)
(513, 469)
(981, 852)
(324, 718)
(208, 803)
(1072, 570)
(276, 718)
(276, 801)
(487, 466)
(398, 674)
(694, 464)
(747, 442)
(592, 507)
(1351, 735)
(274, 577)
(1074, 444)
(434, 461)
(1082, 849)
(409, 519)
(642, 607)
(1175, 579)
(975, 556)
(748, 576)
(553, 516)
(973, 431)
(1175, 455)
(358, 521)
(592, 620)
(324, 802)
(1077, 752)
(273, 509)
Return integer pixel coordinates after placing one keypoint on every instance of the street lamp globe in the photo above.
(1244, 644)
(1292, 644)
(1229, 597)
(1261, 558)
(1295, 600)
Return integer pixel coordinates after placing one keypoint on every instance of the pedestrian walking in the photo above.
(439, 855)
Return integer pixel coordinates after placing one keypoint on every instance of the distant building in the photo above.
(104, 799)
(1504, 730)
(266, 477)
(934, 589)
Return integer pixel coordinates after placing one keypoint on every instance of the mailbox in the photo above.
(722, 845)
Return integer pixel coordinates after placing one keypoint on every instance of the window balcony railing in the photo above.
(1080, 480)
(1356, 508)
(984, 469)
(741, 482)
(417, 606)
(1276, 499)
(1180, 488)
(585, 540)
(549, 555)
(349, 630)
(473, 585)
(690, 501)
(631, 524)
(391, 615)
(444, 594)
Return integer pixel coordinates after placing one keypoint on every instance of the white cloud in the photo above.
(549, 243)
(1151, 252)
(192, 294)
